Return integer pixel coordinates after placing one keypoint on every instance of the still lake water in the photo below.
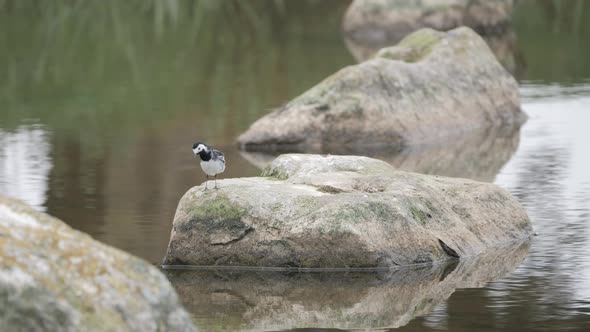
(96, 128)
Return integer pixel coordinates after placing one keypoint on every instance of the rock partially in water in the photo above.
(370, 25)
(53, 278)
(430, 86)
(312, 211)
(277, 301)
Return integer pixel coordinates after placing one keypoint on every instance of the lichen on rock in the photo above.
(414, 47)
(53, 278)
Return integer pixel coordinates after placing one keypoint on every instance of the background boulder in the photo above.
(431, 85)
(370, 25)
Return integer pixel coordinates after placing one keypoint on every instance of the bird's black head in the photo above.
(201, 149)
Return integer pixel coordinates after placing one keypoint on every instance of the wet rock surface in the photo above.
(53, 278)
(432, 85)
(314, 211)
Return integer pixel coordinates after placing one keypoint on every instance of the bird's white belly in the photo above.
(212, 168)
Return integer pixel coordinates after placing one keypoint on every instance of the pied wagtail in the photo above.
(212, 161)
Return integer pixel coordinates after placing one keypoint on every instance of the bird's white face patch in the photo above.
(199, 148)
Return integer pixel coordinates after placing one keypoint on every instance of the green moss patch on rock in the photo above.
(218, 217)
(414, 47)
(216, 206)
(330, 189)
(418, 215)
(274, 173)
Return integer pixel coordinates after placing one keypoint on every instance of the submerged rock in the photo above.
(53, 278)
(429, 86)
(276, 301)
(312, 211)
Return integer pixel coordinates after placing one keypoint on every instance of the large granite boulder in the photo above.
(429, 86)
(370, 25)
(53, 278)
(313, 211)
(279, 301)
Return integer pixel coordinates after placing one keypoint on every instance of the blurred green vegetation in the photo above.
(554, 36)
(90, 67)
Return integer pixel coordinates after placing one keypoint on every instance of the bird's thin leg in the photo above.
(215, 177)
(207, 180)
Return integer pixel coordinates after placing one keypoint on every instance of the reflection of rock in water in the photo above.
(370, 25)
(478, 155)
(258, 159)
(264, 300)
(25, 164)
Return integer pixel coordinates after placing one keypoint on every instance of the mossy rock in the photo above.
(414, 47)
(341, 212)
(431, 85)
(53, 278)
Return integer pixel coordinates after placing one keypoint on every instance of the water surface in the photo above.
(97, 118)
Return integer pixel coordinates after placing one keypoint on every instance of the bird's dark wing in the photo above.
(217, 155)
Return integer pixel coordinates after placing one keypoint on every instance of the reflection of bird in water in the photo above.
(212, 161)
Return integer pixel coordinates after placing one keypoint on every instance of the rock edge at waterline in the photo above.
(313, 211)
